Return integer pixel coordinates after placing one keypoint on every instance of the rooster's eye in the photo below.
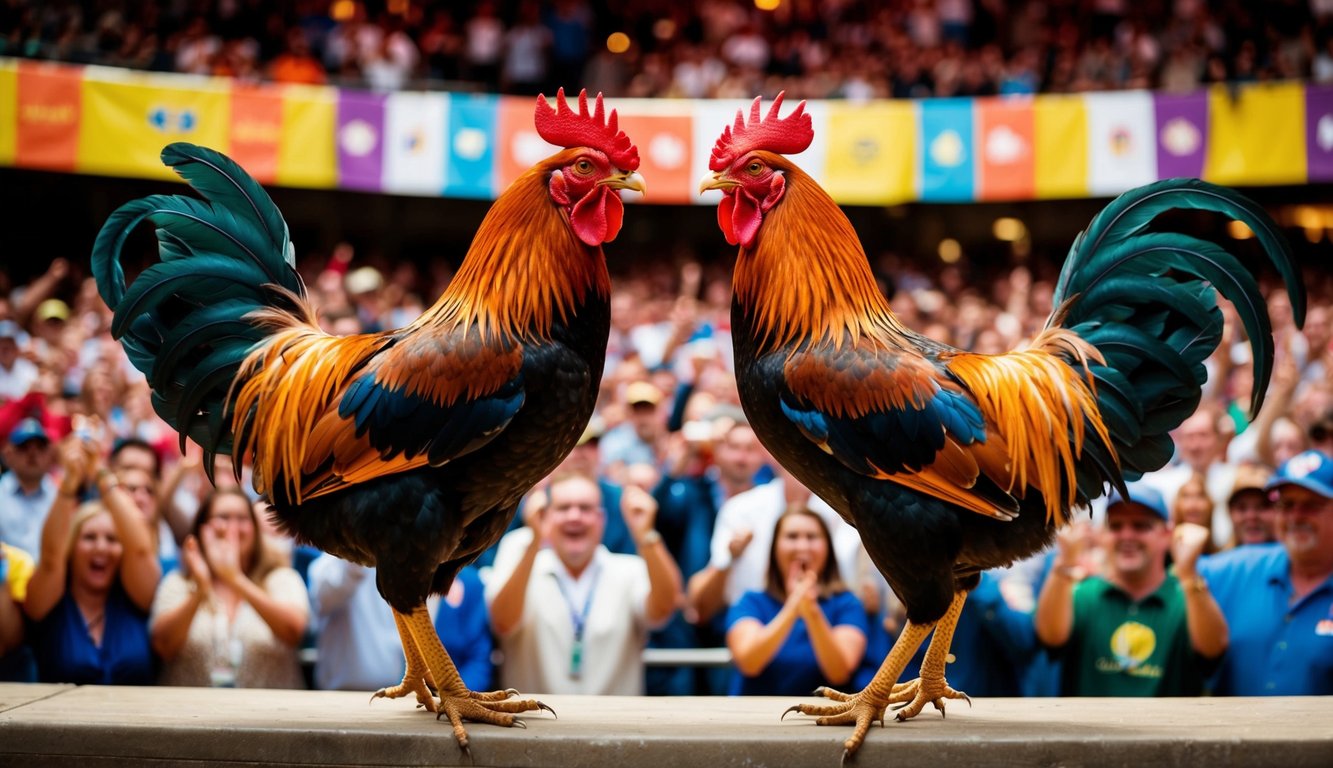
(754, 168)
(583, 166)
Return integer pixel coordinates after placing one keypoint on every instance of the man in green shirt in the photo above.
(1134, 630)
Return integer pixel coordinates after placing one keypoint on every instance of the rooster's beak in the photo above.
(717, 181)
(629, 180)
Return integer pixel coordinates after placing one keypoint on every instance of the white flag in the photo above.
(415, 125)
(1122, 141)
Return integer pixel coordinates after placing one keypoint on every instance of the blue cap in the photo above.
(1143, 495)
(1311, 470)
(28, 429)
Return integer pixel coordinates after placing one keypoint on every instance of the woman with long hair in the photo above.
(1193, 505)
(235, 615)
(805, 629)
(89, 595)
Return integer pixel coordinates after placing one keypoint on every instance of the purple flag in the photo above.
(1319, 132)
(360, 140)
(1182, 134)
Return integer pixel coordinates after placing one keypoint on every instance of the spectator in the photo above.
(16, 664)
(27, 490)
(1201, 448)
(358, 642)
(805, 629)
(355, 634)
(639, 439)
(1253, 514)
(17, 373)
(688, 498)
(1278, 598)
(571, 616)
(296, 64)
(89, 596)
(738, 559)
(234, 617)
(1137, 631)
(1193, 506)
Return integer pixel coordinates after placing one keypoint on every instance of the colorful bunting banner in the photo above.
(116, 121)
(1122, 149)
(1060, 140)
(360, 140)
(948, 163)
(306, 155)
(414, 142)
(1007, 164)
(871, 152)
(472, 148)
(49, 115)
(1182, 134)
(1256, 135)
(9, 107)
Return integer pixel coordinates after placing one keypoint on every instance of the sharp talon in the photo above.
(511, 692)
(846, 753)
(467, 753)
(548, 709)
(519, 724)
(818, 691)
(789, 710)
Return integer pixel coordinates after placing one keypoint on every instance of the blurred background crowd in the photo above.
(121, 561)
(695, 49)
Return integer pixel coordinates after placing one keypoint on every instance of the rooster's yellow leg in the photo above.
(867, 707)
(931, 687)
(417, 678)
(457, 702)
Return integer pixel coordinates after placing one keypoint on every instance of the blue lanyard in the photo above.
(579, 618)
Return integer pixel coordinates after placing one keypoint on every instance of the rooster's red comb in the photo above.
(560, 126)
(785, 136)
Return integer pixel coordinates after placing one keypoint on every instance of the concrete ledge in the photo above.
(43, 725)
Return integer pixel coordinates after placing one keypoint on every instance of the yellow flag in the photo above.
(129, 117)
(306, 153)
(1256, 134)
(1060, 135)
(871, 152)
(9, 110)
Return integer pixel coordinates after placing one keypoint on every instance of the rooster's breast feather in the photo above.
(891, 414)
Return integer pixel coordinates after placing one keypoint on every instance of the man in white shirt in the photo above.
(571, 616)
(1201, 448)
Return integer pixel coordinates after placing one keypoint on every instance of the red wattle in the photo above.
(745, 219)
(596, 218)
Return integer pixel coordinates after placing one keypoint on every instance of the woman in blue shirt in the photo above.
(805, 629)
(89, 595)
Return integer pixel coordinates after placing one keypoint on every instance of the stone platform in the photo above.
(51, 725)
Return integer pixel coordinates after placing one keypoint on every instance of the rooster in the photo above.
(950, 463)
(407, 450)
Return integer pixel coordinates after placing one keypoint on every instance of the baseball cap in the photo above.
(52, 309)
(1249, 477)
(28, 429)
(1311, 470)
(1144, 496)
(642, 392)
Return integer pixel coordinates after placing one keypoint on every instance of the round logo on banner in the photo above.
(947, 149)
(357, 138)
(470, 144)
(1180, 137)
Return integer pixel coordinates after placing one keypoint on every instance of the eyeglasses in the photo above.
(1306, 507)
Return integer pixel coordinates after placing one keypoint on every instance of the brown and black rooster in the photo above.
(949, 462)
(407, 450)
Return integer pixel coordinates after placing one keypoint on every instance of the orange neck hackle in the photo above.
(806, 276)
(526, 268)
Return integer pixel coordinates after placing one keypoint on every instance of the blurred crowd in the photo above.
(122, 562)
(695, 49)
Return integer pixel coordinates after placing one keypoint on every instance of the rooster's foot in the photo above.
(856, 710)
(493, 711)
(913, 696)
(417, 686)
